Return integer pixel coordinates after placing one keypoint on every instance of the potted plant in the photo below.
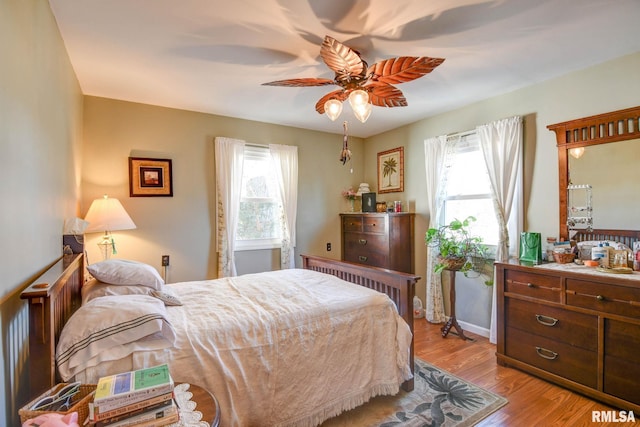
(457, 249)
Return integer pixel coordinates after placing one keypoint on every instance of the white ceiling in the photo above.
(212, 55)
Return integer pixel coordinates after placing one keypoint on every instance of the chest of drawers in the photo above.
(379, 239)
(578, 330)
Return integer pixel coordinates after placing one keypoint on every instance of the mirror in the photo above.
(613, 172)
(600, 133)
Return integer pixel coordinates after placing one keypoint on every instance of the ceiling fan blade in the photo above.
(340, 95)
(403, 69)
(341, 59)
(301, 82)
(385, 95)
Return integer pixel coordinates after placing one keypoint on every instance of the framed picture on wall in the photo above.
(391, 170)
(150, 177)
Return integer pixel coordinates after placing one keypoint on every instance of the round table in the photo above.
(206, 403)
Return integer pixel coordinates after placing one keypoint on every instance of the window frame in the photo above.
(471, 143)
(264, 154)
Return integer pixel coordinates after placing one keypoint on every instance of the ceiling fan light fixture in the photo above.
(576, 152)
(358, 98)
(333, 108)
(363, 112)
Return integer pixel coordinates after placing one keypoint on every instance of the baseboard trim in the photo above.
(483, 332)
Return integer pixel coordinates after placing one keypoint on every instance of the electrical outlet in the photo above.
(165, 260)
(328, 247)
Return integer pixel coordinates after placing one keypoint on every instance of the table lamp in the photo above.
(107, 214)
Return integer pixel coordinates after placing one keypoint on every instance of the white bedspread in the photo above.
(291, 347)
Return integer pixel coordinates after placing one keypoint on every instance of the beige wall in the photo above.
(183, 226)
(40, 130)
(610, 86)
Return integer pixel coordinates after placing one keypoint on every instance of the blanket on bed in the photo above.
(290, 347)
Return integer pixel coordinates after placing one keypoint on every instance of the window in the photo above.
(260, 216)
(468, 190)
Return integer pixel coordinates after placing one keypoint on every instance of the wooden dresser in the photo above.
(572, 326)
(379, 239)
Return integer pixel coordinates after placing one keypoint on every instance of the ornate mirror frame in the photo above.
(615, 126)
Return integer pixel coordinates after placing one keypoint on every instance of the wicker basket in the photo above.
(563, 258)
(79, 403)
(453, 264)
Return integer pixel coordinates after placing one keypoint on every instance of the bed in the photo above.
(301, 375)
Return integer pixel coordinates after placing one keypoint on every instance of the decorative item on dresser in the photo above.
(379, 239)
(573, 326)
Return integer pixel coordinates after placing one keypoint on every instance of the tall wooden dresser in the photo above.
(573, 326)
(379, 239)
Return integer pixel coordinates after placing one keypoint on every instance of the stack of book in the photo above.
(142, 398)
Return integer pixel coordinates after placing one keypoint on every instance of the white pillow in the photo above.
(95, 289)
(125, 272)
(110, 328)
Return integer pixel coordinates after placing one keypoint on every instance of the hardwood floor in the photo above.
(532, 401)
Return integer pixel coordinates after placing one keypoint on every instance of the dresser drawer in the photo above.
(573, 363)
(374, 259)
(361, 242)
(575, 329)
(352, 223)
(603, 297)
(374, 224)
(533, 285)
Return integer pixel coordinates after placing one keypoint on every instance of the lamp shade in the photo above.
(358, 98)
(107, 214)
(362, 112)
(333, 108)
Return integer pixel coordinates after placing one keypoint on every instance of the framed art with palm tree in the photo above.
(391, 170)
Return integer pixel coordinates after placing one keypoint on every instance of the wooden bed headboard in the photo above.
(56, 295)
(627, 237)
(53, 298)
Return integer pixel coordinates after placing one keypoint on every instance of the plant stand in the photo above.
(453, 322)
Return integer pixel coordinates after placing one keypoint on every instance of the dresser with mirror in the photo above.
(570, 324)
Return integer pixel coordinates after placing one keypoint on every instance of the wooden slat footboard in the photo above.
(400, 287)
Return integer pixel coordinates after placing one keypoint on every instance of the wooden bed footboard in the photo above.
(53, 298)
(400, 287)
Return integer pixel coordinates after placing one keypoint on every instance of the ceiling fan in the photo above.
(362, 84)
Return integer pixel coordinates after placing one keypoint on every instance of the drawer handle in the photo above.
(546, 320)
(362, 241)
(362, 258)
(531, 285)
(546, 354)
(599, 297)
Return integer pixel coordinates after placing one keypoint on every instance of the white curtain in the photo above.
(229, 162)
(434, 155)
(285, 162)
(501, 144)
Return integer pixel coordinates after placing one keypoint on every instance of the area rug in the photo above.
(438, 399)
